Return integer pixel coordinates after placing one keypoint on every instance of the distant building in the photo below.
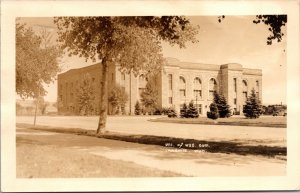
(28, 106)
(177, 83)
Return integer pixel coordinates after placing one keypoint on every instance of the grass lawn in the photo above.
(36, 160)
(263, 121)
(212, 146)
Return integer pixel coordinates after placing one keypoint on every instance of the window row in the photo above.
(197, 85)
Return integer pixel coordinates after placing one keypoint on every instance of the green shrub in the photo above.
(191, 111)
(252, 109)
(223, 107)
(213, 114)
(137, 108)
(171, 113)
(165, 110)
(157, 112)
(183, 111)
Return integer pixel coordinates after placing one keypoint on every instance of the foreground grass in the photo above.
(48, 161)
(172, 142)
(264, 121)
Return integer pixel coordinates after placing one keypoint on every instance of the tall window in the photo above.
(72, 97)
(170, 100)
(257, 88)
(142, 84)
(123, 76)
(234, 84)
(67, 92)
(182, 88)
(197, 89)
(212, 88)
(170, 81)
(245, 90)
(199, 108)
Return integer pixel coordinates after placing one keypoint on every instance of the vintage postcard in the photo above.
(149, 95)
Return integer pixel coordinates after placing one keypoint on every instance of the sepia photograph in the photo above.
(152, 96)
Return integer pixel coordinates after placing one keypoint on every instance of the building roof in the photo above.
(77, 70)
(191, 65)
(174, 62)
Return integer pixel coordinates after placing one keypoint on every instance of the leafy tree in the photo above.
(214, 113)
(137, 108)
(223, 107)
(275, 22)
(86, 96)
(149, 96)
(192, 111)
(41, 104)
(183, 111)
(132, 42)
(37, 62)
(118, 98)
(252, 109)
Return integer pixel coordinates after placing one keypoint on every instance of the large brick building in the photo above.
(177, 83)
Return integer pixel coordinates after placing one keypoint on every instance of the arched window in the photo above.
(182, 87)
(245, 89)
(197, 88)
(212, 88)
(142, 84)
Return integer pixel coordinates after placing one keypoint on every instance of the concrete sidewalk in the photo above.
(141, 126)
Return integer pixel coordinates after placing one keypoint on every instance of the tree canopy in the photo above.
(37, 62)
(274, 22)
(132, 42)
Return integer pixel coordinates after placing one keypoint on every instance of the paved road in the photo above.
(141, 125)
(186, 163)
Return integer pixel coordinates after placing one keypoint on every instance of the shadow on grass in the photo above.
(172, 142)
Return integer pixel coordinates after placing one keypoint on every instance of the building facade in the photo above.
(177, 83)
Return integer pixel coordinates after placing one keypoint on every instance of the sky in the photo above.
(235, 40)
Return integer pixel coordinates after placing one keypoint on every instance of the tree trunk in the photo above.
(103, 98)
(35, 111)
